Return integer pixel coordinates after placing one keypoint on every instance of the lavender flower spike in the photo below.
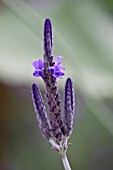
(40, 111)
(48, 38)
(69, 104)
(56, 127)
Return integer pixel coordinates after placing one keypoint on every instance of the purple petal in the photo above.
(58, 59)
(62, 68)
(35, 64)
(38, 65)
(59, 74)
(56, 67)
(36, 73)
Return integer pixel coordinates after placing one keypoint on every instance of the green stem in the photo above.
(65, 162)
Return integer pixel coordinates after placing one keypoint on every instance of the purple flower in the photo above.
(57, 69)
(39, 67)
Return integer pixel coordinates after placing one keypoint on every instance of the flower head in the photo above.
(56, 70)
(39, 67)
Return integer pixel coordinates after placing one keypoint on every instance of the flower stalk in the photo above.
(56, 125)
(65, 162)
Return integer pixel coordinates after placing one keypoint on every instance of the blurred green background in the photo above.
(83, 35)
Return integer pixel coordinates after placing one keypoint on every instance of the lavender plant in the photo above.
(56, 126)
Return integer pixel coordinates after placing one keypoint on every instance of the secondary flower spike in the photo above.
(56, 126)
(69, 104)
(40, 111)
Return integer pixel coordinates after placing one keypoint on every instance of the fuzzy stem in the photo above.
(65, 162)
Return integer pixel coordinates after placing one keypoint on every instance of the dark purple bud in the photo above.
(40, 111)
(48, 38)
(69, 104)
